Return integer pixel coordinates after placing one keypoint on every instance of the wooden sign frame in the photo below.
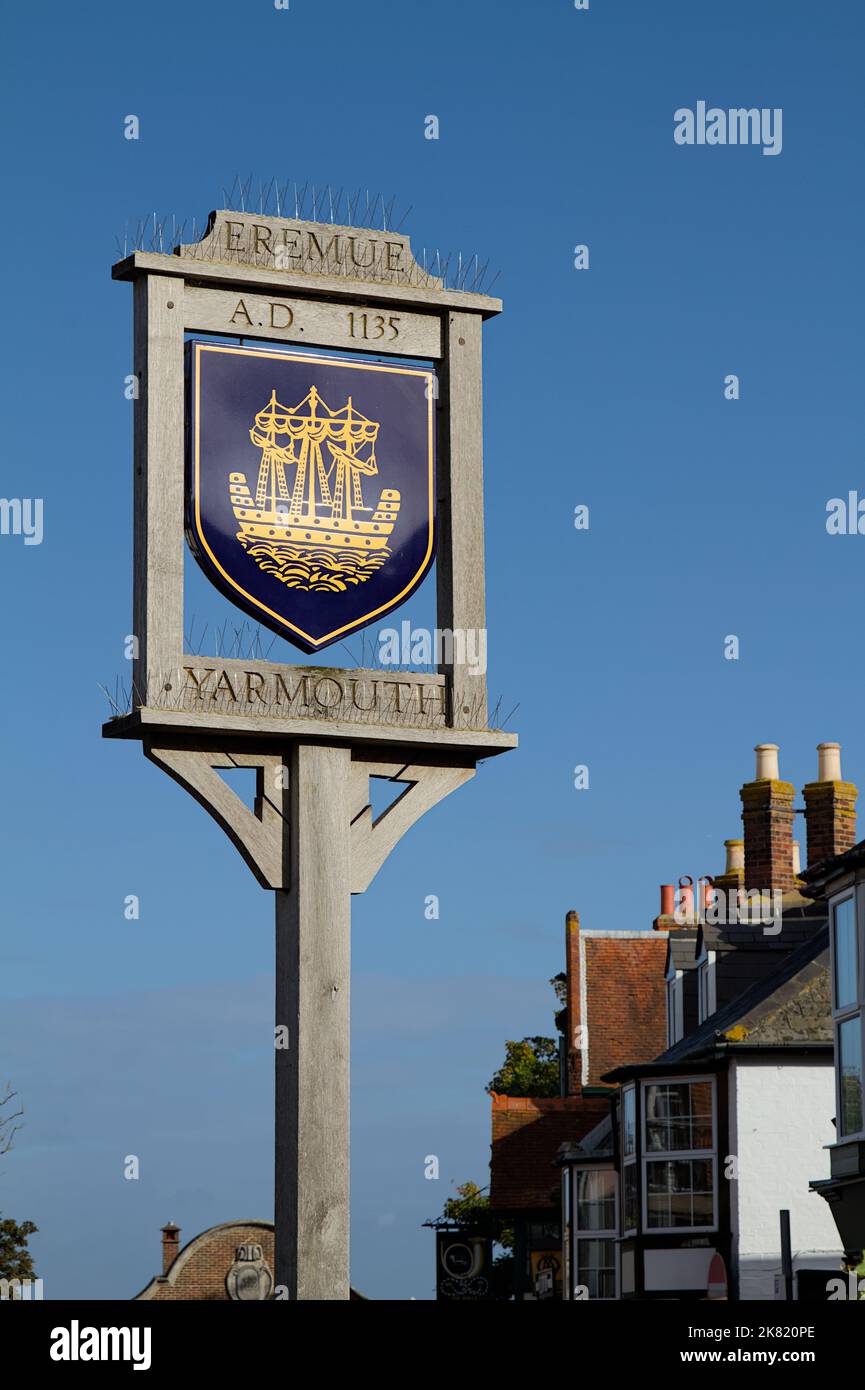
(208, 288)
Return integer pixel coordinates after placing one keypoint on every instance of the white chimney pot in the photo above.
(735, 855)
(829, 762)
(767, 762)
(797, 859)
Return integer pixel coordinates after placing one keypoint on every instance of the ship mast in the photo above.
(272, 470)
(311, 488)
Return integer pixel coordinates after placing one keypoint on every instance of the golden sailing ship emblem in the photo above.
(307, 523)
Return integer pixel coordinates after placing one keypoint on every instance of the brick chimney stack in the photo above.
(170, 1245)
(767, 815)
(830, 807)
(573, 1042)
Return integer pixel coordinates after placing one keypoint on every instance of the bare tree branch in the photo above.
(8, 1127)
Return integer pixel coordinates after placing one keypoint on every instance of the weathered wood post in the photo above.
(313, 956)
(302, 550)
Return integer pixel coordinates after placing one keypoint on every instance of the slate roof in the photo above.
(800, 919)
(820, 876)
(682, 949)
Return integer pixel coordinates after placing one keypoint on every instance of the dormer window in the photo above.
(706, 991)
(679, 1159)
(675, 1007)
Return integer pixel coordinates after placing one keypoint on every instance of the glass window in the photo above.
(679, 1117)
(850, 1074)
(679, 1162)
(846, 955)
(629, 1122)
(596, 1267)
(596, 1200)
(679, 1193)
(674, 1010)
(630, 1213)
(544, 1230)
(706, 1000)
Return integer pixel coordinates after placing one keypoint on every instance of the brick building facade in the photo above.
(212, 1263)
(614, 1008)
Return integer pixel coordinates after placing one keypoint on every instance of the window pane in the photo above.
(596, 1201)
(679, 1117)
(846, 956)
(679, 1193)
(850, 1074)
(630, 1214)
(674, 1010)
(596, 1267)
(629, 1122)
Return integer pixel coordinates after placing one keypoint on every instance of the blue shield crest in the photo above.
(311, 485)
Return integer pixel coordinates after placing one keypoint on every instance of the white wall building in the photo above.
(779, 1127)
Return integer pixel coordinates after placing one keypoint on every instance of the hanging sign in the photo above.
(463, 1266)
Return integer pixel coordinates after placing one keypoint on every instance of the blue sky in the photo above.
(603, 387)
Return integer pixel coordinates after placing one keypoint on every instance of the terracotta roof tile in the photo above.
(527, 1134)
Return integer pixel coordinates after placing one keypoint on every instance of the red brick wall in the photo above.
(200, 1269)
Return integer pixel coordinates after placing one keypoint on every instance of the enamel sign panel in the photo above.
(311, 485)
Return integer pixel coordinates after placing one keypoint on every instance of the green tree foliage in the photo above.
(469, 1204)
(530, 1068)
(471, 1210)
(16, 1262)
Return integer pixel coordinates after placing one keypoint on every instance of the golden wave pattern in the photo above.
(313, 569)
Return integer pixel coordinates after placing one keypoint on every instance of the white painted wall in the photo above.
(780, 1119)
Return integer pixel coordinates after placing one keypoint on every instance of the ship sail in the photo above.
(308, 429)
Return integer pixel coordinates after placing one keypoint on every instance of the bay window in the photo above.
(630, 1199)
(596, 1227)
(679, 1157)
(596, 1267)
(630, 1203)
(847, 1013)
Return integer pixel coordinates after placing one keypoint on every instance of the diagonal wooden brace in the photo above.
(260, 836)
(373, 840)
